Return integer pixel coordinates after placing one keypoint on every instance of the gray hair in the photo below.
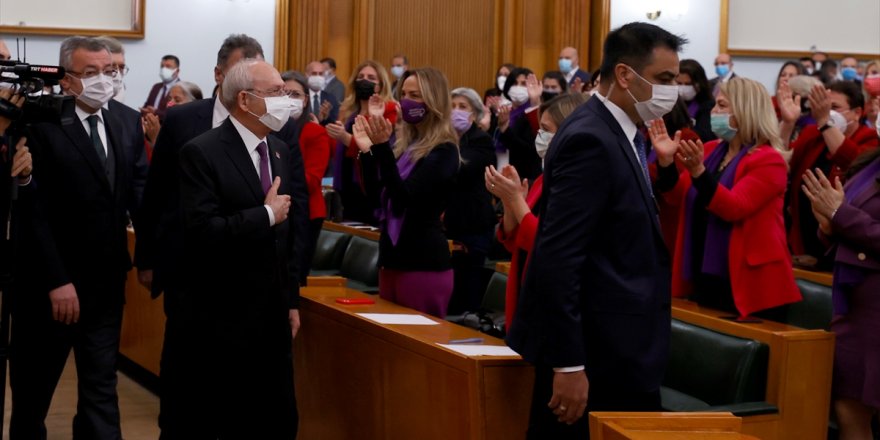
(238, 78)
(250, 48)
(71, 44)
(473, 98)
(113, 44)
(192, 91)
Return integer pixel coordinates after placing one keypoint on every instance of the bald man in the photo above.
(568, 65)
(322, 104)
(724, 70)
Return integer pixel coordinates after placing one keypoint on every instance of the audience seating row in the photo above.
(351, 256)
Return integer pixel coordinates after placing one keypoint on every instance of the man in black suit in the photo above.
(334, 86)
(159, 246)
(89, 172)
(324, 105)
(594, 312)
(241, 288)
(157, 99)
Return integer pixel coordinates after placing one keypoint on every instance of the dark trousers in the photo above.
(39, 350)
(543, 424)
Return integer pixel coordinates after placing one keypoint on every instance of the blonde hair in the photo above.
(753, 110)
(351, 105)
(436, 128)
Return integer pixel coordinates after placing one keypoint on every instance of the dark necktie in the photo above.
(639, 142)
(265, 179)
(316, 105)
(96, 139)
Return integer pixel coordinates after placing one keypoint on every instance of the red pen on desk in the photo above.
(355, 301)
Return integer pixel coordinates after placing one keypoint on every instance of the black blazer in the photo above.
(422, 197)
(77, 230)
(160, 233)
(597, 288)
(232, 255)
(470, 207)
(520, 142)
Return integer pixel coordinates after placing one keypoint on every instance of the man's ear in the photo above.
(622, 76)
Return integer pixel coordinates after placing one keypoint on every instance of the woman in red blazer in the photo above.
(519, 224)
(316, 147)
(731, 251)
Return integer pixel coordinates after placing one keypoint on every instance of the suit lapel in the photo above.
(78, 136)
(237, 152)
(624, 144)
(275, 155)
(113, 129)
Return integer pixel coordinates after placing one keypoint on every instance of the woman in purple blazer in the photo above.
(849, 217)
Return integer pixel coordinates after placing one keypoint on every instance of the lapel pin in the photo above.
(277, 155)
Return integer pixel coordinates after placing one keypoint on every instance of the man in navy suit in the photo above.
(324, 105)
(89, 173)
(159, 246)
(594, 311)
(568, 65)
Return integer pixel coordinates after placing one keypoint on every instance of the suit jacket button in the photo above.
(861, 256)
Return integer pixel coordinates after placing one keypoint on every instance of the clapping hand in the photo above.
(151, 127)
(324, 111)
(336, 130)
(368, 132)
(824, 196)
(376, 106)
(577, 86)
(820, 104)
(662, 143)
(691, 155)
(506, 185)
(503, 117)
(789, 105)
(533, 86)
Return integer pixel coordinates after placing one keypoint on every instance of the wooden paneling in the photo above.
(665, 426)
(465, 39)
(143, 322)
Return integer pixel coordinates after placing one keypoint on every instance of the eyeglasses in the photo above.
(123, 69)
(279, 93)
(90, 73)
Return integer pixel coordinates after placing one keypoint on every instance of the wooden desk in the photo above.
(359, 379)
(798, 373)
(665, 426)
(823, 278)
(143, 322)
(503, 267)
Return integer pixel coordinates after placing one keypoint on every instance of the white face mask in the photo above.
(662, 100)
(317, 83)
(96, 91)
(500, 81)
(687, 93)
(278, 110)
(397, 71)
(166, 74)
(119, 88)
(297, 110)
(542, 142)
(518, 94)
(877, 125)
(839, 120)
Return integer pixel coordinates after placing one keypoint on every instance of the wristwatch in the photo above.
(828, 124)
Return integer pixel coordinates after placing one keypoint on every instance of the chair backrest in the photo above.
(329, 250)
(493, 299)
(333, 202)
(815, 311)
(716, 368)
(361, 261)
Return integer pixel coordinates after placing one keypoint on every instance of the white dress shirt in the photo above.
(570, 75)
(220, 113)
(251, 142)
(163, 92)
(102, 131)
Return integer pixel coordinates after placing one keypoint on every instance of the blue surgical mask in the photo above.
(722, 70)
(849, 73)
(564, 65)
(721, 126)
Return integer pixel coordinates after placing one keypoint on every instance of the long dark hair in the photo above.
(693, 69)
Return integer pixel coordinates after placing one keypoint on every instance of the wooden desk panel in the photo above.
(359, 379)
(823, 278)
(143, 322)
(665, 426)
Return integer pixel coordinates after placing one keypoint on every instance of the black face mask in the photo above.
(364, 89)
(546, 96)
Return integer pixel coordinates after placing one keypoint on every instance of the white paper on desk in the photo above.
(480, 350)
(398, 318)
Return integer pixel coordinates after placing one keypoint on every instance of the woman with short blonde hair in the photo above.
(413, 182)
(730, 201)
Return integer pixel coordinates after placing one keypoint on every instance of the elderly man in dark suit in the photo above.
(594, 313)
(159, 249)
(241, 288)
(89, 171)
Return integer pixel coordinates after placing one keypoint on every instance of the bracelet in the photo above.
(831, 217)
